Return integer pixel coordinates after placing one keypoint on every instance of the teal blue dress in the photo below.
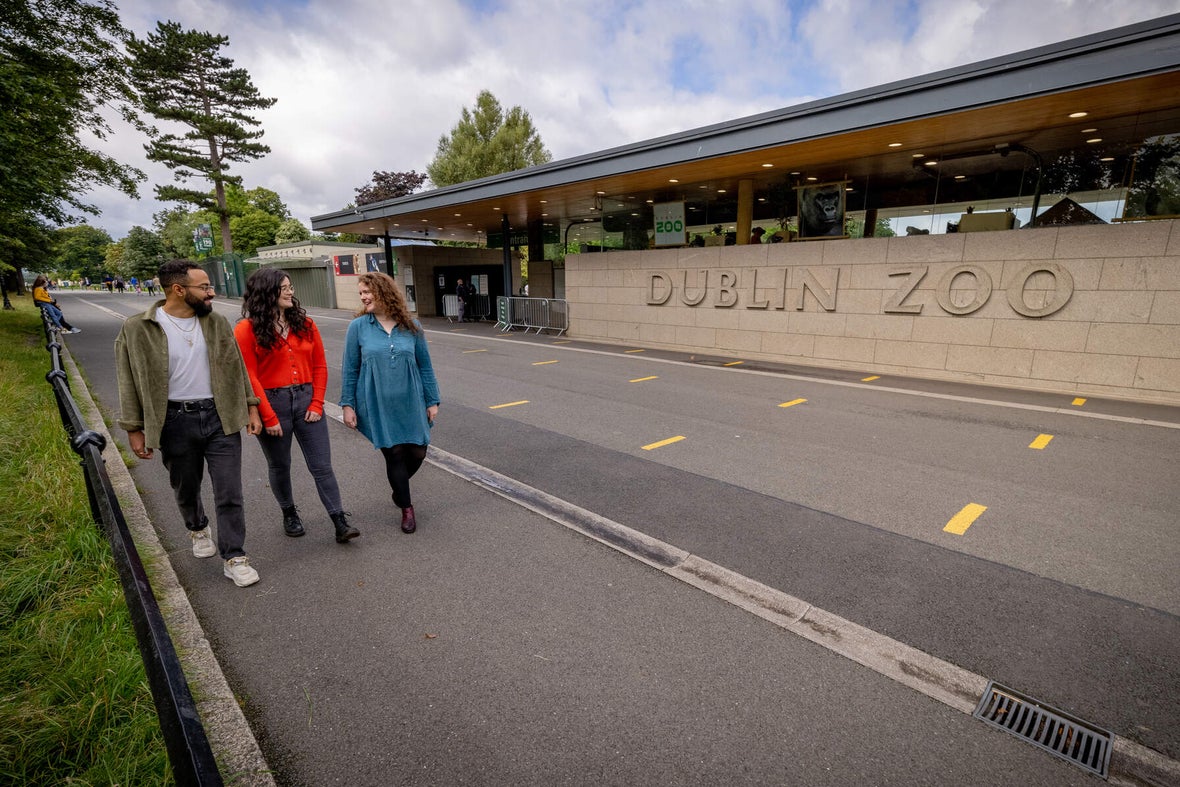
(389, 381)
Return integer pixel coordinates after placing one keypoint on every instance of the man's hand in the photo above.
(349, 416)
(255, 425)
(139, 445)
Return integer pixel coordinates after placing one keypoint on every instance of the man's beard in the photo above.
(199, 305)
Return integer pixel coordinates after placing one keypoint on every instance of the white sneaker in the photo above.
(75, 330)
(203, 545)
(239, 570)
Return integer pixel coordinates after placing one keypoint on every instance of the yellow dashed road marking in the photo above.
(964, 519)
(1079, 402)
(663, 443)
(632, 351)
(870, 379)
(792, 403)
(509, 404)
(644, 379)
(543, 363)
(1041, 441)
(564, 341)
(733, 363)
(467, 352)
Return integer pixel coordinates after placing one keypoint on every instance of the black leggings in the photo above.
(401, 462)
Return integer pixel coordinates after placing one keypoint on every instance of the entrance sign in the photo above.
(203, 238)
(669, 219)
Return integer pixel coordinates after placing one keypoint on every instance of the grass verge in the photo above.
(75, 707)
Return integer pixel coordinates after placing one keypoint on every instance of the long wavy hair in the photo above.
(41, 281)
(389, 299)
(260, 305)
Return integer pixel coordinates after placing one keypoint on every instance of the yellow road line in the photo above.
(466, 352)
(870, 379)
(632, 351)
(663, 443)
(644, 379)
(564, 341)
(1041, 441)
(543, 363)
(733, 363)
(964, 519)
(792, 403)
(509, 404)
(1079, 402)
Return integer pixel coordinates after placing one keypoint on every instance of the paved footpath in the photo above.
(498, 646)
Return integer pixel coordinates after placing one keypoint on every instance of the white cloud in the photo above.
(368, 84)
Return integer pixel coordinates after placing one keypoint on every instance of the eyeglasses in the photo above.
(201, 287)
(286, 288)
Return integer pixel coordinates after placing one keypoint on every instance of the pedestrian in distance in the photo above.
(461, 293)
(288, 370)
(48, 304)
(388, 389)
(184, 389)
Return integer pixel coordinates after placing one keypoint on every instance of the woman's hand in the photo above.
(349, 417)
(275, 431)
(311, 416)
(432, 413)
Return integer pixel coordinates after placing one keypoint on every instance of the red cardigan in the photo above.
(291, 361)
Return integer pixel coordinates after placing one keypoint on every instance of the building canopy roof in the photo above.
(1126, 82)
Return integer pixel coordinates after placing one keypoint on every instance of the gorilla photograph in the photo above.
(821, 211)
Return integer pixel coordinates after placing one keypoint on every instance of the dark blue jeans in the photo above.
(290, 404)
(188, 442)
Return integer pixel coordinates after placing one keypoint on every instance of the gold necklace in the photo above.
(187, 331)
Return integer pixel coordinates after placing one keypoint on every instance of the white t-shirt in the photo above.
(188, 358)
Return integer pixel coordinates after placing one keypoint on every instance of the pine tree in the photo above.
(183, 79)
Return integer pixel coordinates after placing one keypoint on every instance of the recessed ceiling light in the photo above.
(895, 144)
(960, 177)
(673, 180)
(1089, 130)
(1092, 141)
(720, 191)
(762, 199)
(1078, 114)
(651, 202)
(918, 155)
(811, 177)
(544, 201)
(848, 188)
(795, 173)
(457, 215)
(543, 215)
(932, 163)
(767, 166)
(1107, 158)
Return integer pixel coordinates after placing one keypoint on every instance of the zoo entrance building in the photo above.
(1011, 222)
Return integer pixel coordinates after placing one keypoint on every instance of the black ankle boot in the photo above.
(344, 531)
(292, 524)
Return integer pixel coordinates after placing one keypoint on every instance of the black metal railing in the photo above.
(188, 747)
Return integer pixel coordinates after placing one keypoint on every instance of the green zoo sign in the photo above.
(671, 225)
(669, 219)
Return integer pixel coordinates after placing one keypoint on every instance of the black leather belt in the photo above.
(190, 406)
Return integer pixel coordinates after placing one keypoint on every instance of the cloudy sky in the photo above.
(367, 85)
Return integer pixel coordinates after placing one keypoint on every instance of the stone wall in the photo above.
(1087, 310)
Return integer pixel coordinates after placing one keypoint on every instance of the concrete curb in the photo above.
(239, 759)
(1130, 763)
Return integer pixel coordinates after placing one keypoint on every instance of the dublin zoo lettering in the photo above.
(960, 291)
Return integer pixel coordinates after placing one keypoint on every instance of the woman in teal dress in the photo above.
(388, 389)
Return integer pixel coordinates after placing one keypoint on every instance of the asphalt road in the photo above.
(495, 647)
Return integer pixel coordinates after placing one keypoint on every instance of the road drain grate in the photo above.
(1052, 730)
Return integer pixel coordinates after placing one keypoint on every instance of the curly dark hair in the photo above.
(260, 305)
(389, 299)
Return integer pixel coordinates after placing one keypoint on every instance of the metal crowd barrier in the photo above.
(184, 736)
(542, 314)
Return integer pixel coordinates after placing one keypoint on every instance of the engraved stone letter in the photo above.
(727, 294)
(1055, 300)
(983, 289)
(896, 304)
(659, 289)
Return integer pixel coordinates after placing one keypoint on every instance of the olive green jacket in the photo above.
(141, 364)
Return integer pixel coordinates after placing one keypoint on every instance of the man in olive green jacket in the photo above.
(183, 389)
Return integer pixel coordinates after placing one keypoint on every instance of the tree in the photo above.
(292, 231)
(60, 67)
(143, 253)
(486, 142)
(252, 229)
(389, 185)
(79, 252)
(182, 79)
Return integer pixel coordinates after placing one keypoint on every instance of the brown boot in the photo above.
(409, 524)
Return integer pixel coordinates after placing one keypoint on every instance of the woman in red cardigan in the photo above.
(285, 358)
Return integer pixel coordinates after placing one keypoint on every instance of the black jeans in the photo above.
(188, 442)
(290, 404)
